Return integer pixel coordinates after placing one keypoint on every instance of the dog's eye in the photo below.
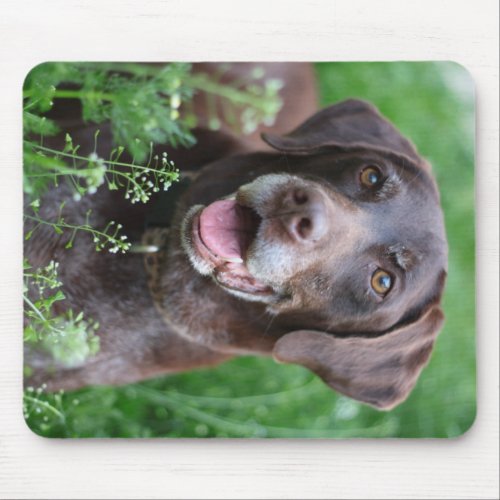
(370, 176)
(381, 281)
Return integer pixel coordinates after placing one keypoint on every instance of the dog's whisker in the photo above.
(271, 320)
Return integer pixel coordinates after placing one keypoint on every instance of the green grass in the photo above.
(431, 103)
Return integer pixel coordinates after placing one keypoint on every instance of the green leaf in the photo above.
(39, 125)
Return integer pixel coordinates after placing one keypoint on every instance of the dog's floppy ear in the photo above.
(378, 371)
(346, 125)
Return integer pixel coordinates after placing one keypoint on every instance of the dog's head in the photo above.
(348, 240)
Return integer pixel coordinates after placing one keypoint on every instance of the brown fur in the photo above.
(367, 349)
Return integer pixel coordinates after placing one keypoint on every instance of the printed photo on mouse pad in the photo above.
(249, 250)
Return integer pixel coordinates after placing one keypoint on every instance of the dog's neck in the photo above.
(221, 322)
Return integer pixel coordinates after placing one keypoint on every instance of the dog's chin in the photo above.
(217, 239)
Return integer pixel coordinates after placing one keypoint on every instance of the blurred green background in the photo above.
(433, 105)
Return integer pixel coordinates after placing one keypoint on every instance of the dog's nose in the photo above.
(305, 214)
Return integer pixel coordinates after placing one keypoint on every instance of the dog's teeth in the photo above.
(235, 260)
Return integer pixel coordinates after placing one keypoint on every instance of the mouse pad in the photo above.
(249, 250)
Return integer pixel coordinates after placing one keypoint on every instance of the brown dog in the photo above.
(329, 252)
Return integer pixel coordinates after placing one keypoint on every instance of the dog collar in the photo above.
(155, 237)
(159, 219)
(154, 240)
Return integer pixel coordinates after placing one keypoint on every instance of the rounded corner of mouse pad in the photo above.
(269, 250)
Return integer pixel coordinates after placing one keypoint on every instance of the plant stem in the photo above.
(199, 81)
(40, 277)
(76, 94)
(46, 406)
(35, 309)
(46, 323)
(70, 226)
(83, 158)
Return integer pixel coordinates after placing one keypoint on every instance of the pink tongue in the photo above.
(226, 229)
